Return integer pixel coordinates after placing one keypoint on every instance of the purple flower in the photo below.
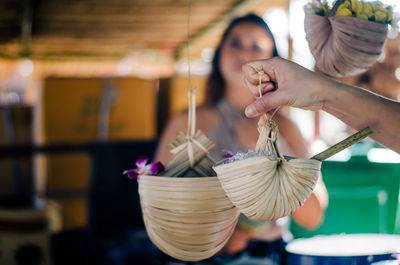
(141, 162)
(228, 153)
(132, 173)
(143, 169)
(156, 168)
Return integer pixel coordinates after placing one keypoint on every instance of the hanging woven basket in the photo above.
(344, 45)
(186, 212)
(189, 219)
(267, 186)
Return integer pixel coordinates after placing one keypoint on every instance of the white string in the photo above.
(187, 44)
(191, 124)
(191, 96)
(260, 75)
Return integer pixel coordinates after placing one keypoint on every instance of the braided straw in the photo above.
(344, 46)
(268, 187)
(187, 218)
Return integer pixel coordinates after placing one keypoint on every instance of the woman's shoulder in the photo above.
(207, 118)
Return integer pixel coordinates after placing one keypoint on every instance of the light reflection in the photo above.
(382, 155)
(25, 68)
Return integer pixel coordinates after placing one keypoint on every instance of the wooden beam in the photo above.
(229, 14)
(241, 7)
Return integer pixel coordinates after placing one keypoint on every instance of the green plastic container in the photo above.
(363, 198)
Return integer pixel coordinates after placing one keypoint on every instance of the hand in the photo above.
(283, 83)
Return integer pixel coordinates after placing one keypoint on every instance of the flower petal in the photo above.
(132, 173)
(228, 153)
(156, 168)
(141, 162)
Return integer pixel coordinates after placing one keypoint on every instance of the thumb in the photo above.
(262, 105)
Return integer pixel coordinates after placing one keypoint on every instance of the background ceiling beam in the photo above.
(26, 28)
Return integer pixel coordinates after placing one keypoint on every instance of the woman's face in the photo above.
(246, 42)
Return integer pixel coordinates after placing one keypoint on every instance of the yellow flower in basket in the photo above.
(367, 10)
(344, 12)
(326, 9)
(390, 14)
(379, 16)
(356, 7)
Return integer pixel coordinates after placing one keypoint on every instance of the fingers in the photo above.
(265, 87)
(252, 69)
(268, 102)
(252, 77)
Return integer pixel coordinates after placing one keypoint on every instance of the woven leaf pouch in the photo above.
(267, 186)
(344, 46)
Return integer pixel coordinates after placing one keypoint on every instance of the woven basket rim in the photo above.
(180, 179)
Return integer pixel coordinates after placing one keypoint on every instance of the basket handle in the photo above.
(349, 141)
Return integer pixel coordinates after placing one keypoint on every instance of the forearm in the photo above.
(359, 108)
(311, 214)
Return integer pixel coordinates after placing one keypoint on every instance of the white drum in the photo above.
(343, 249)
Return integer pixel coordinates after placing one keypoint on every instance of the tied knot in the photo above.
(279, 160)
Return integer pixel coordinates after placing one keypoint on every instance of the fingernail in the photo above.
(250, 111)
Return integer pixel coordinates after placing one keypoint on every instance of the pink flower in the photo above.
(228, 153)
(143, 169)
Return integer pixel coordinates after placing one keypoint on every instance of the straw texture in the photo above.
(188, 218)
(190, 153)
(268, 187)
(344, 46)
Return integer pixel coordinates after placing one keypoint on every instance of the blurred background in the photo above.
(87, 86)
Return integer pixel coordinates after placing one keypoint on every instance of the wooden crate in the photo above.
(69, 113)
(133, 110)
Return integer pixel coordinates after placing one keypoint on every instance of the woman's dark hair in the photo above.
(215, 88)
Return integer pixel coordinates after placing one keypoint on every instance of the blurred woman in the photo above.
(222, 118)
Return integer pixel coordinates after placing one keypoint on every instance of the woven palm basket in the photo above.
(344, 46)
(267, 186)
(187, 218)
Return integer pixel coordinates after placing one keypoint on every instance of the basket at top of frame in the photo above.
(346, 42)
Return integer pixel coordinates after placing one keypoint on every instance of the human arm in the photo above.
(286, 83)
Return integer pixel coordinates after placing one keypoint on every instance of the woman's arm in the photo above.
(287, 83)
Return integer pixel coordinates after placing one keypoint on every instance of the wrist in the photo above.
(328, 93)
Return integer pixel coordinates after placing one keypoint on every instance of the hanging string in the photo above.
(196, 144)
(191, 92)
(191, 96)
(188, 45)
(260, 75)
